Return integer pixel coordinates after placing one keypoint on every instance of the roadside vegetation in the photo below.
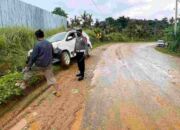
(172, 40)
(122, 28)
(166, 50)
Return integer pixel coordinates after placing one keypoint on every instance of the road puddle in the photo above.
(78, 120)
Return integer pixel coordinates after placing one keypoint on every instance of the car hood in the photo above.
(55, 44)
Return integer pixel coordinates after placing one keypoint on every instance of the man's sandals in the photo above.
(57, 93)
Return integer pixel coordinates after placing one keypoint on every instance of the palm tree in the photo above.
(72, 22)
(77, 21)
(90, 20)
(84, 18)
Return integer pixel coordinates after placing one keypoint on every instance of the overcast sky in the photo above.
(142, 9)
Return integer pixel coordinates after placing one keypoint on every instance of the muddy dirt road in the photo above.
(135, 88)
(127, 87)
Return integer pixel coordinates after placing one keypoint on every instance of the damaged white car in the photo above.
(64, 44)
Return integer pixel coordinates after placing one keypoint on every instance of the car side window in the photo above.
(71, 36)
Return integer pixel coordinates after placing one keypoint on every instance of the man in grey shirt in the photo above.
(40, 63)
(80, 49)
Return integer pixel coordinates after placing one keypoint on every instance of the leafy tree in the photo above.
(110, 21)
(59, 11)
(90, 19)
(171, 20)
(172, 40)
(122, 23)
(97, 23)
(87, 19)
(77, 21)
(164, 22)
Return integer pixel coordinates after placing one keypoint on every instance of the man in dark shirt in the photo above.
(40, 63)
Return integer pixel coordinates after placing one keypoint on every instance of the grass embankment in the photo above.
(168, 51)
(14, 45)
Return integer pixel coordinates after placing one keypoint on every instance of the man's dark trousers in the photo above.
(81, 62)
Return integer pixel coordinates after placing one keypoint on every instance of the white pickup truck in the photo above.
(161, 43)
(64, 44)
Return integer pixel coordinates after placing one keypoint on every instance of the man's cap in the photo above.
(79, 30)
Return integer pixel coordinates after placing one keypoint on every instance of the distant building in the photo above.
(18, 13)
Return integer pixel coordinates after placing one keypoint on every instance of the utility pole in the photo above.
(176, 18)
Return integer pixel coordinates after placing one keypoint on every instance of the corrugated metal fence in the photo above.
(18, 13)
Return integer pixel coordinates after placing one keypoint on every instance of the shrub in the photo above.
(35, 80)
(15, 42)
(92, 36)
(115, 37)
(174, 42)
(8, 88)
(111, 37)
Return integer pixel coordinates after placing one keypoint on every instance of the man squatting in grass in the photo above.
(40, 63)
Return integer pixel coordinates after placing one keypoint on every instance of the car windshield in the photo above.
(57, 37)
(161, 41)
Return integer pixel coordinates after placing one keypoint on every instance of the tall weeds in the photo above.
(14, 45)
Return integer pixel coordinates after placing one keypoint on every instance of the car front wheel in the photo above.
(65, 59)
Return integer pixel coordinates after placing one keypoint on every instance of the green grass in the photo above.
(167, 51)
(8, 88)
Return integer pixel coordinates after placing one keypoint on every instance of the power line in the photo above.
(94, 3)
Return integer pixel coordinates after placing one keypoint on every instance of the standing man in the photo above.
(40, 63)
(80, 49)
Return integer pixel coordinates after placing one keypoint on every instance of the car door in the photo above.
(70, 42)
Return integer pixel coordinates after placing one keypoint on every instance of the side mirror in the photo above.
(69, 38)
